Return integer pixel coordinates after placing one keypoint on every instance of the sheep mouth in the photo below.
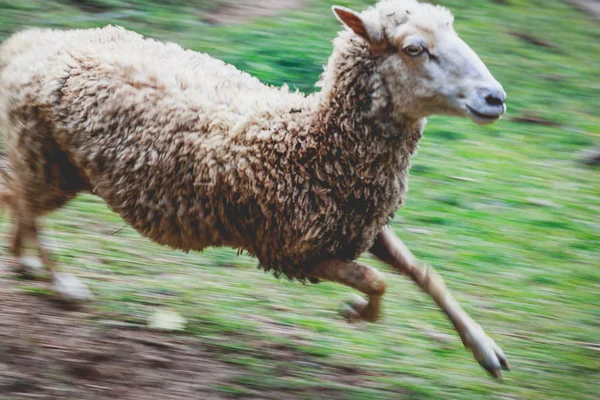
(486, 117)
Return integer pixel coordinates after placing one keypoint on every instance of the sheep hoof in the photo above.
(30, 266)
(489, 355)
(69, 288)
(356, 309)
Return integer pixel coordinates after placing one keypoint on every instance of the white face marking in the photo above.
(472, 90)
(431, 70)
(446, 78)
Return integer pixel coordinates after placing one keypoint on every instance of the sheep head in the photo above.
(425, 67)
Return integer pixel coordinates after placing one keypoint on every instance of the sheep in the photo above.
(193, 153)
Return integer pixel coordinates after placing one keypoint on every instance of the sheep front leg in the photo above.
(365, 279)
(390, 249)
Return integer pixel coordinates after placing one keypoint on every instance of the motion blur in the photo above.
(507, 213)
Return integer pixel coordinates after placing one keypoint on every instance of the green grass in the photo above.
(526, 270)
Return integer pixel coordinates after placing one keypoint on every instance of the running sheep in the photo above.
(193, 153)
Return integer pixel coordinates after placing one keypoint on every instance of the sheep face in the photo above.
(422, 64)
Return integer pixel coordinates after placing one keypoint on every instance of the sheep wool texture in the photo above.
(193, 153)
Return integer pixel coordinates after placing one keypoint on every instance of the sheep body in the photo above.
(193, 153)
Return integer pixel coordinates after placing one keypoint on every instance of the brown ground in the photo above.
(48, 351)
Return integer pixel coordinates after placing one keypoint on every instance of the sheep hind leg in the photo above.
(66, 286)
(31, 189)
(22, 230)
(25, 232)
(365, 279)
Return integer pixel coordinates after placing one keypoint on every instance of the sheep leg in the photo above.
(25, 231)
(365, 279)
(35, 179)
(66, 286)
(16, 243)
(391, 250)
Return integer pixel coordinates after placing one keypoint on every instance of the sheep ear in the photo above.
(364, 28)
(353, 21)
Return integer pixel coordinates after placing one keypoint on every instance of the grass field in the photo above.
(505, 213)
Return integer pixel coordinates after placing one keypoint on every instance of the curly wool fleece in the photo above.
(193, 153)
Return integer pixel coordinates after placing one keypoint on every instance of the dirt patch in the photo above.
(242, 11)
(49, 352)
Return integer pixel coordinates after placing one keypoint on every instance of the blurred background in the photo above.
(508, 214)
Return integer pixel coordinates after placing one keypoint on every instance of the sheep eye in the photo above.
(414, 50)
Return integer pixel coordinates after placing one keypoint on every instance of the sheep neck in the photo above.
(358, 122)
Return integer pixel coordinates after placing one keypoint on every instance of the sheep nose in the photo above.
(495, 97)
